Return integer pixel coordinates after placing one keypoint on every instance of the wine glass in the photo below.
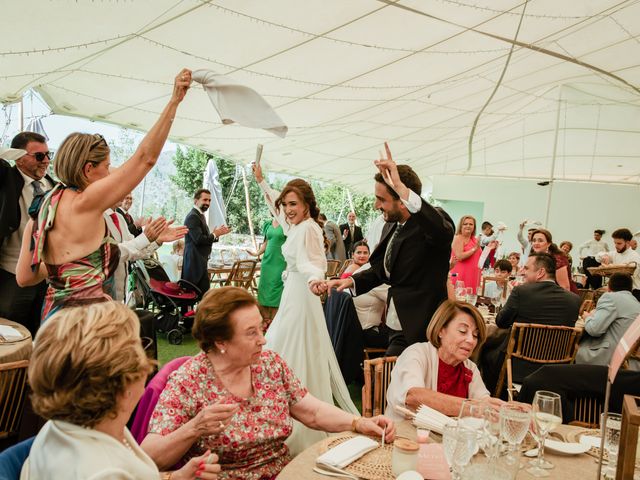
(491, 433)
(460, 290)
(459, 445)
(547, 415)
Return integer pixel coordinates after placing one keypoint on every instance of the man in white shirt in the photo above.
(526, 244)
(623, 255)
(18, 186)
(587, 252)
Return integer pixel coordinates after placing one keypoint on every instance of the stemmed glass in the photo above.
(547, 415)
(460, 290)
(459, 445)
(470, 296)
(491, 433)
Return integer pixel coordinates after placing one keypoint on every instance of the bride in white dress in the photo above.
(299, 332)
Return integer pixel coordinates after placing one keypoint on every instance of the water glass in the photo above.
(514, 423)
(611, 423)
(470, 296)
(547, 415)
(459, 446)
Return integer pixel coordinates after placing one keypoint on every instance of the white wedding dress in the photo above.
(298, 332)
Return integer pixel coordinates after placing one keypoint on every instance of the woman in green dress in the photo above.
(273, 264)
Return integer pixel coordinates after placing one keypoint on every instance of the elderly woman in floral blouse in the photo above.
(238, 400)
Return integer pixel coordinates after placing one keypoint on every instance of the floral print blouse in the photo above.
(252, 446)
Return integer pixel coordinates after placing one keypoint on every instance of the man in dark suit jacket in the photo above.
(197, 243)
(539, 300)
(412, 257)
(351, 233)
(18, 186)
(123, 210)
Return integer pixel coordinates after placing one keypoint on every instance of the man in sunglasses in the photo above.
(19, 184)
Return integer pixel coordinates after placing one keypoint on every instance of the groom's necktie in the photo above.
(390, 248)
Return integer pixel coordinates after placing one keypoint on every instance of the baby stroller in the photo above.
(173, 302)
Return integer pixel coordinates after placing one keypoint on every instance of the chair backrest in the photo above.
(493, 279)
(377, 375)
(536, 343)
(586, 412)
(586, 306)
(332, 268)
(242, 274)
(344, 266)
(150, 397)
(585, 294)
(13, 391)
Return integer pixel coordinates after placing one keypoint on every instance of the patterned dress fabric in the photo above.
(252, 446)
(79, 282)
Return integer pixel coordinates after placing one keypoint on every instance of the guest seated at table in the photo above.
(566, 246)
(238, 400)
(542, 242)
(87, 373)
(604, 327)
(360, 257)
(623, 255)
(502, 271)
(539, 300)
(438, 373)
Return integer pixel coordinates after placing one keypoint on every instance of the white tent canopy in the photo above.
(347, 75)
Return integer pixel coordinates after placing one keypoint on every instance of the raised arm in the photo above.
(107, 191)
(432, 221)
(270, 196)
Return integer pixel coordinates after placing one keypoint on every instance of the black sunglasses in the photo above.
(40, 156)
(98, 141)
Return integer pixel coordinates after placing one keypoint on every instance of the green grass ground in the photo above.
(167, 352)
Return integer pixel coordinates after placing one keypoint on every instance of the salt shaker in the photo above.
(404, 456)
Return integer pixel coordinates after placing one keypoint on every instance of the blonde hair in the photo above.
(446, 312)
(177, 245)
(83, 359)
(475, 225)
(74, 153)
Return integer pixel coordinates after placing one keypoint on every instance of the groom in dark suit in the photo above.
(197, 243)
(412, 256)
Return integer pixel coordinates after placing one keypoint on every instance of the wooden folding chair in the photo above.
(541, 344)
(241, 275)
(586, 306)
(493, 279)
(13, 392)
(332, 268)
(377, 375)
(586, 412)
(585, 294)
(344, 266)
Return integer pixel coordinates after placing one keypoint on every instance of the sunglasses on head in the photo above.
(40, 156)
(98, 141)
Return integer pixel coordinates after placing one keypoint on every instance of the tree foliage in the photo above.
(332, 199)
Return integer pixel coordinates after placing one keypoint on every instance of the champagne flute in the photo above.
(547, 415)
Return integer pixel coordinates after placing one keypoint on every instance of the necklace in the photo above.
(127, 444)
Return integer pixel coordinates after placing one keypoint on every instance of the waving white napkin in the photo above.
(10, 333)
(237, 103)
(12, 153)
(347, 452)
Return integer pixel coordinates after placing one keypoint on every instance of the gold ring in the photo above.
(221, 425)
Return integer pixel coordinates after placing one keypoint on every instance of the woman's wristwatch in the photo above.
(354, 424)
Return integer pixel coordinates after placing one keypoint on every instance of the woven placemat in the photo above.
(375, 465)
(575, 435)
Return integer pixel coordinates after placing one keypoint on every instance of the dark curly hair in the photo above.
(304, 192)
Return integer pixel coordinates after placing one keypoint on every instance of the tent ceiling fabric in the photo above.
(347, 75)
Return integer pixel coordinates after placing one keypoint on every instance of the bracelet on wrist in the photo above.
(354, 424)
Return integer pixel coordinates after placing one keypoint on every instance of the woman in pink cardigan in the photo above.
(438, 373)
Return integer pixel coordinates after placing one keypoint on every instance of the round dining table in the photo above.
(15, 350)
(567, 467)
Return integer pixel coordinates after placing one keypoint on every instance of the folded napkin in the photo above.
(12, 153)
(10, 334)
(237, 103)
(347, 452)
(431, 419)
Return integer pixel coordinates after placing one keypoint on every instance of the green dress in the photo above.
(273, 264)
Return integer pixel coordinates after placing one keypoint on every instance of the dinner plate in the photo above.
(564, 448)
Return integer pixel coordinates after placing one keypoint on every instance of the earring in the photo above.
(223, 351)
